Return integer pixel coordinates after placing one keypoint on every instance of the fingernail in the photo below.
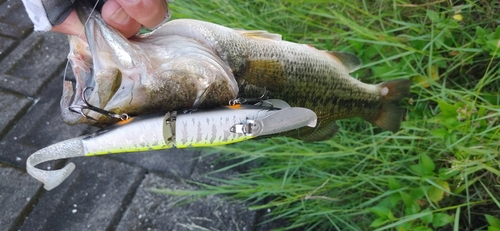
(120, 16)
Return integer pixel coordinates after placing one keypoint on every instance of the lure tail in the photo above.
(390, 114)
(65, 149)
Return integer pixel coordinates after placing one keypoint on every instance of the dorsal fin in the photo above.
(351, 61)
(259, 34)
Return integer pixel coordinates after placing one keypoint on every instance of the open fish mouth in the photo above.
(93, 88)
(116, 76)
(99, 89)
(82, 66)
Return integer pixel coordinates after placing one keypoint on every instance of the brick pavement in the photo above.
(103, 193)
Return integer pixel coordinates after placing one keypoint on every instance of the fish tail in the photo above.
(391, 113)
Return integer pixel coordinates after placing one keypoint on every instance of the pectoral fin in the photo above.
(265, 73)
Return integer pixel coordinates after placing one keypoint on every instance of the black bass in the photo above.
(189, 64)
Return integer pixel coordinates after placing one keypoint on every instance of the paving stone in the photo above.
(171, 162)
(153, 211)
(14, 20)
(211, 166)
(92, 198)
(6, 45)
(34, 62)
(17, 191)
(10, 31)
(206, 171)
(12, 106)
(39, 127)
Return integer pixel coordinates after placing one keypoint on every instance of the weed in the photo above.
(440, 171)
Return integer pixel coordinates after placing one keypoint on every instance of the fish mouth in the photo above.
(75, 94)
(97, 63)
(95, 86)
(82, 66)
(97, 78)
(139, 76)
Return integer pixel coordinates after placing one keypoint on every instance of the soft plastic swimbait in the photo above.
(223, 125)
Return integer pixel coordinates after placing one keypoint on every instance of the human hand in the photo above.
(126, 16)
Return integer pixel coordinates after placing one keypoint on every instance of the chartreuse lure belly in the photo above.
(223, 125)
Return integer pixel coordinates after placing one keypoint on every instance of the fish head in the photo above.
(102, 64)
(141, 75)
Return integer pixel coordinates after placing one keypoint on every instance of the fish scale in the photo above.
(187, 64)
(300, 74)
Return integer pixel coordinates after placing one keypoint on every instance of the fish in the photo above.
(188, 64)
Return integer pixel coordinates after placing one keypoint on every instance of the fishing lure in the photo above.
(203, 128)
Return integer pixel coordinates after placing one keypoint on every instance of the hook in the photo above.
(261, 99)
(79, 108)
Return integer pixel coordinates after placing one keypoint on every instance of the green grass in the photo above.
(440, 172)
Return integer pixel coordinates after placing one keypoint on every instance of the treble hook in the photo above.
(261, 99)
(79, 108)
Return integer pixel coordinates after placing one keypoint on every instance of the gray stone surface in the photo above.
(6, 44)
(40, 126)
(14, 21)
(33, 63)
(153, 211)
(92, 198)
(17, 192)
(104, 192)
(13, 106)
(172, 163)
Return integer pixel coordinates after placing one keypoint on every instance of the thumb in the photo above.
(116, 16)
(149, 13)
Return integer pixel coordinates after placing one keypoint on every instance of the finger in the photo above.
(70, 26)
(116, 16)
(148, 13)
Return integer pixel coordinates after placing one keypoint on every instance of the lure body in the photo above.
(197, 129)
(223, 125)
